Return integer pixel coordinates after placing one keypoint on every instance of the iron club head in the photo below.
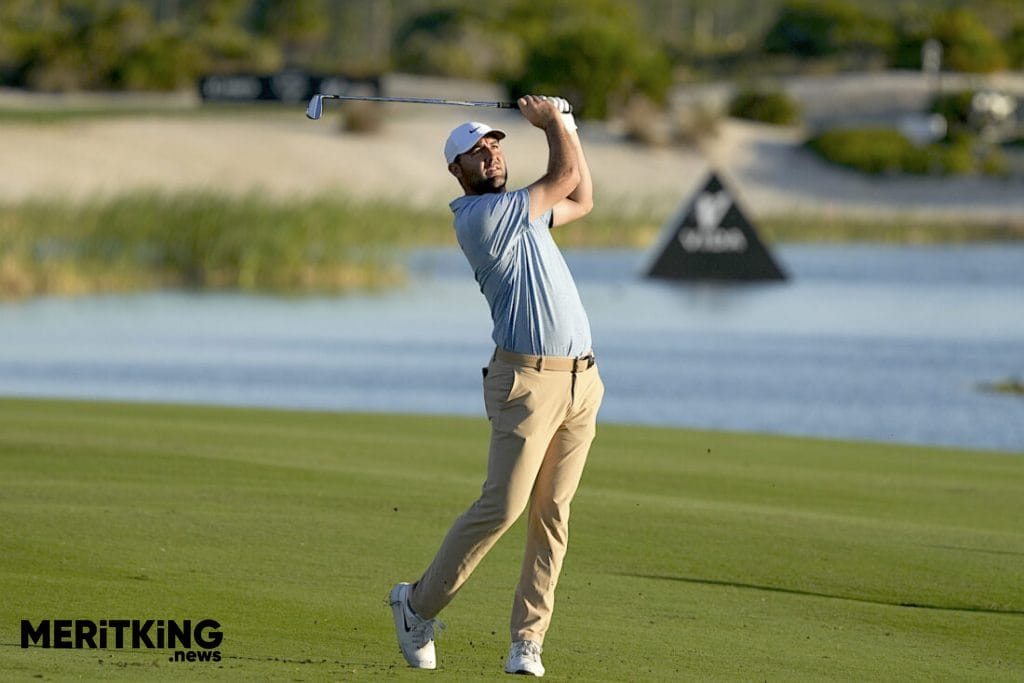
(316, 107)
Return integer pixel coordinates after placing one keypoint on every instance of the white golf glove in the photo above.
(565, 108)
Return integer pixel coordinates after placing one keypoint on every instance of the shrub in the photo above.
(955, 108)
(885, 150)
(1015, 46)
(99, 45)
(593, 53)
(458, 43)
(956, 154)
(968, 45)
(766, 106)
(871, 150)
(819, 28)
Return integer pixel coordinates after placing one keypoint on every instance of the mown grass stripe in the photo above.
(694, 556)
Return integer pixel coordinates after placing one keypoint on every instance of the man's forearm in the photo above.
(551, 191)
(563, 158)
(584, 192)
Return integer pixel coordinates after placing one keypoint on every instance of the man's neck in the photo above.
(470, 192)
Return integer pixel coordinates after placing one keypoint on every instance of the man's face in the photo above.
(481, 169)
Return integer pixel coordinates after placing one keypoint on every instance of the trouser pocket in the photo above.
(504, 394)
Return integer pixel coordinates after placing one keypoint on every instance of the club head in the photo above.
(316, 107)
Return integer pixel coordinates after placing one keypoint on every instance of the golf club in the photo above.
(315, 110)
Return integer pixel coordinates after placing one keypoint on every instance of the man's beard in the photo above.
(485, 185)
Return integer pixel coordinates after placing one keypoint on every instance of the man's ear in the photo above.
(455, 170)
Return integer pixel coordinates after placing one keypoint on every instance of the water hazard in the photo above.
(865, 342)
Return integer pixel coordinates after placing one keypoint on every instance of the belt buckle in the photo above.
(590, 360)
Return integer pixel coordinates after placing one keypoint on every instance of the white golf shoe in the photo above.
(524, 658)
(415, 634)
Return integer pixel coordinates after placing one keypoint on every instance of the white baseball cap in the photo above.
(467, 135)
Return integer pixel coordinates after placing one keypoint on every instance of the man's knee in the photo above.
(497, 512)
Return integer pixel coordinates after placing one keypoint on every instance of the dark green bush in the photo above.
(594, 53)
(871, 150)
(819, 28)
(885, 151)
(968, 45)
(766, 106)
(957, 154)
(1015, 47)
(954, 107)
(83, 45)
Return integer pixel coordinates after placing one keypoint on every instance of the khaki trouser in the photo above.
(542, 424)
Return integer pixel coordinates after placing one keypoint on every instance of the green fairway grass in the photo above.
(694, 555)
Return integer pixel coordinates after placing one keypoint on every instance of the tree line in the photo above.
(599, 53)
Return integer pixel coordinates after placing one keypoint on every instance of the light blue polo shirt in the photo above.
(533, 299)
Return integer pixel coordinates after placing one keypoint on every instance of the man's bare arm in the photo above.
(580, 201)
(563, 173)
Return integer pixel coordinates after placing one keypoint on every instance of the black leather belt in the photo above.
(556, 363)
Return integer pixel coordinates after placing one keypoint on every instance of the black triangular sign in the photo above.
(713, 241)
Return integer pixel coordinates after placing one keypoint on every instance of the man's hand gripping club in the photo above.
(562, 106)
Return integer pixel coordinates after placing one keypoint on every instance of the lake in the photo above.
(879, 343)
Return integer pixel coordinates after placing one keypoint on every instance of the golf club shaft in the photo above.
(315, 108)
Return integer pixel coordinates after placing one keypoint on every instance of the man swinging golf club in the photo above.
(542, 390)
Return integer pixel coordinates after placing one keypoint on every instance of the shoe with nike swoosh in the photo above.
(415, 634)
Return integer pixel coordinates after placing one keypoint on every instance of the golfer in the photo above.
(542, 390)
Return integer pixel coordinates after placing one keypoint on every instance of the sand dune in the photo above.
(287, 157)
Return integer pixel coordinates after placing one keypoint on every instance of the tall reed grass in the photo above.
(321, 244)
(203, 240)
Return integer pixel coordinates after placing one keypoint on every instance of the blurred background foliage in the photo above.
(600, 53)
(618, 60)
